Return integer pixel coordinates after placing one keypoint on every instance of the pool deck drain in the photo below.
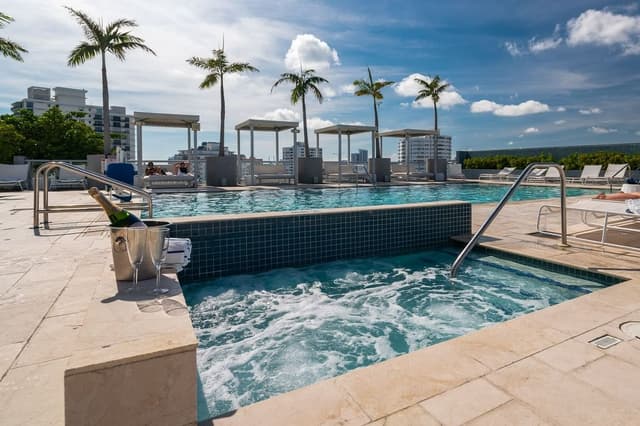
(536, 369)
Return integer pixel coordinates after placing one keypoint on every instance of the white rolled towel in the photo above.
(179, 253)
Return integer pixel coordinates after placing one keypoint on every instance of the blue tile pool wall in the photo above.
(230, 246)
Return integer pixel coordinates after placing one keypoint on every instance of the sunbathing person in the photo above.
(618, 196)
(180, 168)
(153, 170)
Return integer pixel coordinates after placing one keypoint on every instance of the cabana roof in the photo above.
(266, 125)
(166, 120)
(402, 133)
(347, 129)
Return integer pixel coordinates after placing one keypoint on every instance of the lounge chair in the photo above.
(588, 172)
(67, 179)
(549, 174)
(503, 174)
(276, 172)
(597, 221)
(399, 171)
(454, 171)
(615, 173)
(169, 181)
(14, 175)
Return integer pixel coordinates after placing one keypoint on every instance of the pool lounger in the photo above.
(169, 181)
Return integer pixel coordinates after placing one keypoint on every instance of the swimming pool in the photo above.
(265, 334)
(255, 201)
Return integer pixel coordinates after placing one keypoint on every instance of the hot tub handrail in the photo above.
(44, 170)
(563, 212)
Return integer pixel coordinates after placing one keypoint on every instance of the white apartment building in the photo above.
(360, 157)
(40, 99)
(287, 154)
(419, 149)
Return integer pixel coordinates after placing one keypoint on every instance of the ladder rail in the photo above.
(525, 173)
(44, 170)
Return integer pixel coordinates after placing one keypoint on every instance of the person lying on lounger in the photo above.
(618, 196)
(181, 168)
(153, 170)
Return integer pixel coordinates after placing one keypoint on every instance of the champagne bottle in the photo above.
(117, 215)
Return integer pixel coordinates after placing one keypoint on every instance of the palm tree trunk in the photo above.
(222, 116)
(304, 126)
(377, 154)
(106, 119)
(436, 137)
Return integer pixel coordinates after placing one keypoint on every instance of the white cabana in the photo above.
(190, 122)
(406, 134)
(346, 129)
(257, 125)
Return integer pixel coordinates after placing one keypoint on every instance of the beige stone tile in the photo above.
(321, 403)
(79, 291)
(627, 351)
(512, 413)
(8, 354)
(63, 330)
(8, 280)
(613, 377)
(412, 416)
(33, 395)
(569, 355)
(465, 402)
(561, 397)
(398, 383)
(19, 321)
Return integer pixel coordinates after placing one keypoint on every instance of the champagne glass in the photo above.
(158, 246)
(136, 246)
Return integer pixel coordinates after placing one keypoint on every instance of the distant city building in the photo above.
(206, 149)
(420, 149)
(40, 99)
(360, 157)
(287, 154)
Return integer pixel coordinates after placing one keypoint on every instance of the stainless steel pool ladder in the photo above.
(525, 173)
(44, 170)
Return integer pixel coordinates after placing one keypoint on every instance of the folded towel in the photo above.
(179, 253)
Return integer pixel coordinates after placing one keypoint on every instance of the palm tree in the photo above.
(114, 38)
(373, 89)
(217, 67)
(432, 89)
(302, 83)
(7, 47)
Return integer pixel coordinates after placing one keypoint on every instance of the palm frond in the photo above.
(239, 67)
(209, 81)
(11, 49)
(115, 26)
(82, 53)
(5, 19)
(92, 29)
(316, 92)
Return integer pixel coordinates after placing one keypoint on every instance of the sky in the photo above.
(521, 74)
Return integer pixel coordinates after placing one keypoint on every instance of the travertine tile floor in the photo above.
(537, 369)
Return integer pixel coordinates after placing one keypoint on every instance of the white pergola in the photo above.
(190, 122)
(406, 134)
(346, 129)
(257, 125)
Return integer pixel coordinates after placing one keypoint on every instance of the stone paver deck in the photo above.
(535, 369)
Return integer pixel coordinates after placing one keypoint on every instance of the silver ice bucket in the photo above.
(121, 265)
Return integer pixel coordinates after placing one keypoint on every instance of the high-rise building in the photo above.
(40, 99)
(420, 149)
(200, 154)
(360, 157)
(287, 154)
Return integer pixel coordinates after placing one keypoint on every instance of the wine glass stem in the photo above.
(158, 279)
(135, 277)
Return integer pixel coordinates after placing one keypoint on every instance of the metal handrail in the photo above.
(525, 173)
(44, 170)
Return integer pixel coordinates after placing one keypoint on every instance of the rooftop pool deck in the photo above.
(65, 323)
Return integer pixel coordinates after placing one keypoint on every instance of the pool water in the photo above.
(233, 202)
(266, 334)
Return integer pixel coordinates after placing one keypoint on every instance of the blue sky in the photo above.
(523, 74)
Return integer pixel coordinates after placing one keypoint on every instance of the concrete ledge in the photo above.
(134, 361)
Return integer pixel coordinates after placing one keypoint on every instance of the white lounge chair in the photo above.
(550, 174)
(503, 174)
(277, 172)
(170, 181)
(14, 175)
(615, 173)
(605, 222)
(588, 172)
(67, 179)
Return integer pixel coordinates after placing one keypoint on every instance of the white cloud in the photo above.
(348, 89)
(559, 122)
(308, 51)
(531, 130)
(561, 109)
(590, 111)
(601, 130)
(408, 87)
(638, 133)
(537, 46)
(510, 143)
(512, 48)
(318, 123)
(524, 108)
(404, 104)
(605, 28)
(281, 114)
